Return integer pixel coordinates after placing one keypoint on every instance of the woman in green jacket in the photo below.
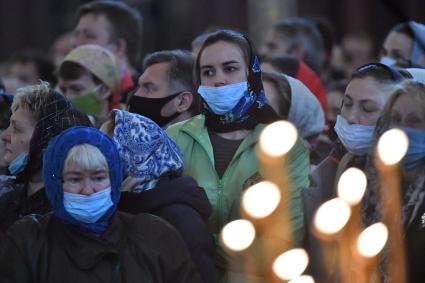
(219, 145)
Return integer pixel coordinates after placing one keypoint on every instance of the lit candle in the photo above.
(302, 279)
(329, 223)
(392, 146)
(351, 188)
(291, 264)
(369, 244)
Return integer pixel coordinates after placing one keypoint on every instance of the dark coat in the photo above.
(184, 205)
(14, 203)
(140, 248)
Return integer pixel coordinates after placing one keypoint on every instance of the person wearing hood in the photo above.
(365, 96)
(404, 46)
(219, 145)
(153, 167)
(405, 110)
(38, 114)
(85, 239)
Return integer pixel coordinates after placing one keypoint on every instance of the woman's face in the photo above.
(77, 180)
(222, 63)
(397, 46)
(18, 135)
(408, 112)
(363, 101)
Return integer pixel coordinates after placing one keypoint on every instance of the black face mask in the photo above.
(151, 108)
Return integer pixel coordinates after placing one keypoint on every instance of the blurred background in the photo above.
(174, 23)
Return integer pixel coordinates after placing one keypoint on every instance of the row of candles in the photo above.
(345, 242)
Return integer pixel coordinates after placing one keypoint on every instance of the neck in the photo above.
(235, 135)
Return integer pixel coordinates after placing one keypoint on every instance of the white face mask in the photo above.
(222, 99)
(356, 138)
(387, 61)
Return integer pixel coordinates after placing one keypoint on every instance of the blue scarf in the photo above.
(53, 164)
(146, 151)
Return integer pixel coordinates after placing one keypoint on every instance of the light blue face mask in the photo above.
(88, 209)
(415, 155)
(390, 62)
(223, 99)
(18, 164)
(356, 138)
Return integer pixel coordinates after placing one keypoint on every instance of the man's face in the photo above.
(154, 83)
(26, 72)
(94, 29)
(78, 87)
(275, 44)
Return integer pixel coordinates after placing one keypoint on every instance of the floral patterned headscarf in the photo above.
(146, 151)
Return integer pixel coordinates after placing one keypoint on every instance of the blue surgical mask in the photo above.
(223, 99)
(387, 61)
(356, 138)
(415, 155)
(18, 164)
(88, 209)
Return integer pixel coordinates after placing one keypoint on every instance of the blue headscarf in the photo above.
(146, 151)
(419, 41)
(53, 164)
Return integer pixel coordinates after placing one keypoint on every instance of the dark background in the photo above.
(174, 23)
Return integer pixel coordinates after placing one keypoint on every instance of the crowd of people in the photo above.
(113, 175)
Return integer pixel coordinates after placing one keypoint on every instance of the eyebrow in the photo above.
(224, 64)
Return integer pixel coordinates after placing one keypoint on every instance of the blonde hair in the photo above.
(410, 88)
(87, 156)
(31, 99)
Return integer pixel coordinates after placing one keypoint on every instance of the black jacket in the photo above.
(184, 205)
(140, 248)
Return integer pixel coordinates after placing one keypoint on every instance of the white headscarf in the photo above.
(417, 74)
(305, 112)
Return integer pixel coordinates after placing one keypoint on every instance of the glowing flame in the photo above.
(372, 240)
(278, 138)
(332, 216)
(392, 146)
(302, 279)
(290, 264)
(352, 186)
(261, 199)
(238, 234)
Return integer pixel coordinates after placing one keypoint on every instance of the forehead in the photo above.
(22, 116)
(398, 40)
(366, 89)
(74, 167)
(85, 80)
(220, 52)
(158, 73)
(94, 22)
(406, 104)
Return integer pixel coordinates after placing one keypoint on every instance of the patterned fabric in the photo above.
(58, 113)
(146, 151)
(250, 110)
(53, 164)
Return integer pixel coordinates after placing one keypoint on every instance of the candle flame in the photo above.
(372, 240)
(261, 199)
(392, 146)
(278, 138)
(238, 234)
(290, 264)
(352, 186)
(332, 216)
(302, 279)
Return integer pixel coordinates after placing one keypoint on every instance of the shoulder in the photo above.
(29, 226)
(195, 122)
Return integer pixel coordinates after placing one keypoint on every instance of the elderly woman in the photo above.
(85, 239)
(38, 114)
(404, 110)
(153, 167)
